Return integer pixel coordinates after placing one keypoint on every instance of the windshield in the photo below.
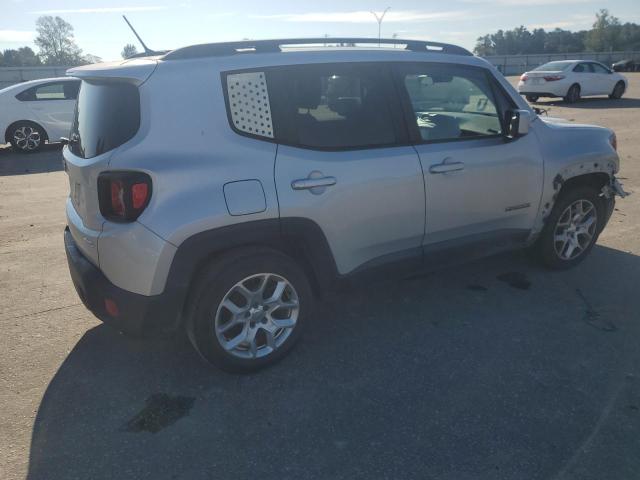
(554, 66)
(107, 115)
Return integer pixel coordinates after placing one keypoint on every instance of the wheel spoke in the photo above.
(569, 250)
(232, 307)
(271, 340)
(284, 322)
(237, 340)
(228, 326)
(276, 296)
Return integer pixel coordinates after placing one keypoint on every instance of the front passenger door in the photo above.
(478, 184)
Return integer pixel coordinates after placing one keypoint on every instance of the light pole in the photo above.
(379, 19)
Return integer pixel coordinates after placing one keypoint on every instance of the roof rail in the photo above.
(272, 46)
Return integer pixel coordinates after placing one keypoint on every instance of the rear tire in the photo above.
(573, 94)
(618, 91)
(532, 98)
(567, 239)
(26, 137)
(236, 323)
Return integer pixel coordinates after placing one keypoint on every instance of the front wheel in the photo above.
(248, 310)
(618, 91)
(572, 228)
(573, 94)
(532, 98)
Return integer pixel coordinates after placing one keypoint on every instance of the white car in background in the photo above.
(38, 111)
(571, 79)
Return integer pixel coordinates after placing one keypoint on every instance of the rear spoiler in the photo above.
(135, 71)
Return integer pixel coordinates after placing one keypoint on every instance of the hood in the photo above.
(564, 123)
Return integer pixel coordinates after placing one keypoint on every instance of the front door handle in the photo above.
(446, 167)
(309, 183)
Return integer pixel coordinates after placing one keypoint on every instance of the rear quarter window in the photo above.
(248, 104)
(107, 115)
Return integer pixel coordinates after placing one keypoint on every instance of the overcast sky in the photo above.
(100, 30)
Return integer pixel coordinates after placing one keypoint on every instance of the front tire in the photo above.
(572, 228)
(618, 91)
(573, 94)
(248, 310)
(26, 137)
(532, 98)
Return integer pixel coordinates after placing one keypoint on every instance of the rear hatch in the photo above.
(107, 115)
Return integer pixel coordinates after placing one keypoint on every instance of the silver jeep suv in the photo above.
(220, 188)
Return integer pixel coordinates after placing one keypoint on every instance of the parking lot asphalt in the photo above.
(497, 369)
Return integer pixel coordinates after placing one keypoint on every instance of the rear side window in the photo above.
(328, 106)
(51, 91)
(106, 116)
(336, 106)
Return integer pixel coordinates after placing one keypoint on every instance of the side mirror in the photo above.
(516, 123)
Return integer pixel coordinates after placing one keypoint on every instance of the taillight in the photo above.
(553, 78)
(524, 77)
(117, 198)
(613, 140)
(123, 196)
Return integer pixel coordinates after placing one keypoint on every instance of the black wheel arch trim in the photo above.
(300, 238)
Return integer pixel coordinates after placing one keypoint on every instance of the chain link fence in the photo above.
(12, 75)
(518, 64)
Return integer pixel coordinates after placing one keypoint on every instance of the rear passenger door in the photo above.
(344, 161)
(53, 104)
(480, 187)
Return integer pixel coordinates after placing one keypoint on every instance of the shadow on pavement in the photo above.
(49, 159)
(597, 102)
(496, 369)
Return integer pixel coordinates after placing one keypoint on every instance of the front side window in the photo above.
(451, 103)
(597, 68)
(337, 106)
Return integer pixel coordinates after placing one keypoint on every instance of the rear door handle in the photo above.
(446, 167)
(309, 183)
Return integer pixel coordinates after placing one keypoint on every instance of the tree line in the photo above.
(607, 34)
(56, 47)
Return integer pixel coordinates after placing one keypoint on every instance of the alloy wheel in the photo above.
(256, 316)
(575, 229)
(27, 138)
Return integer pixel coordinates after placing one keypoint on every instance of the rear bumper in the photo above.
(138, 315)
(540, 94)
(547, 89)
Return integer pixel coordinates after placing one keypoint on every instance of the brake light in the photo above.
(553, 78)
(123, 196)
(613, 140)
(524, 77)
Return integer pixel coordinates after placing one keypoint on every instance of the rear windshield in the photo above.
(554, 66)
(107, 115)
